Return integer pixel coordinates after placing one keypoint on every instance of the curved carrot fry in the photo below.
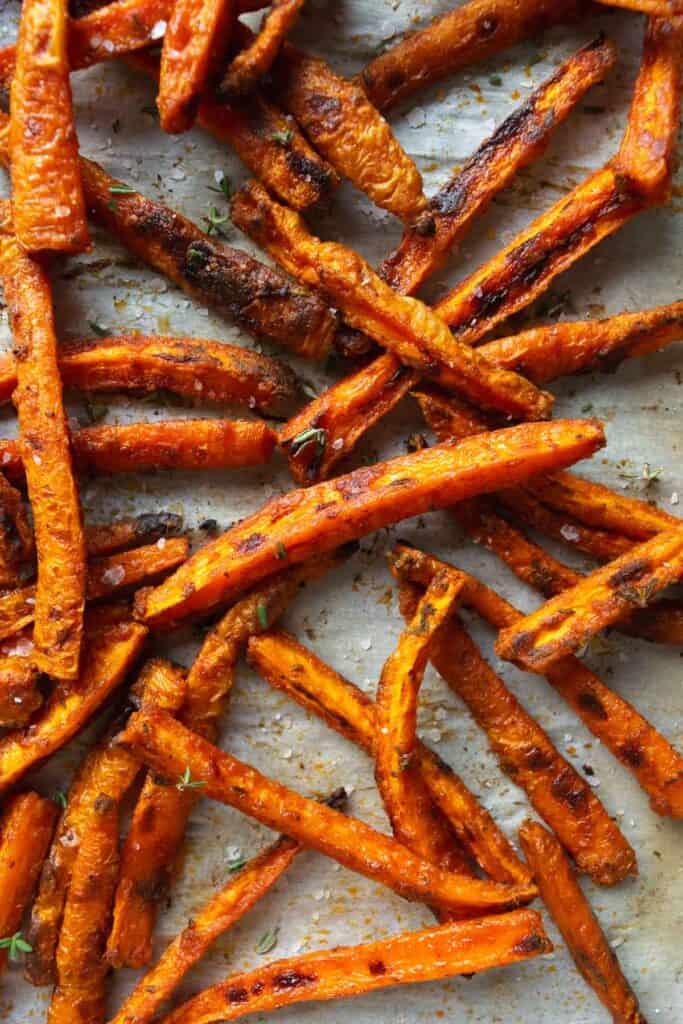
(256, 59)
(121, 534)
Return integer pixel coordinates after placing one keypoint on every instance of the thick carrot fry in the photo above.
(468, 33)
(403, 325)
(347, 130)
(108, 656)
(19, 693)
(526, 753)
(16, 536)
(647, 152)
(570, 619)
(25, 832)
(47, 198)
(316, 519)
(544, 353)
(168, 747)
(147, 528)
(456, 948)
(290, 667)
(44, 442)
(572, 913)
(229, 904)
(115, 29)
(255, 60)
(404, 794)
(630, 737)
(195, 42)
(519, 140)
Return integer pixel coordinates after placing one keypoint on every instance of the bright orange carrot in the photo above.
(256, 59)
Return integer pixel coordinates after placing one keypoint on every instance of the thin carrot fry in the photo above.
(195, 42)
(572, 913)
(19, 693)
(44, 442)
(468, 33)
(660, 8)
(624, 731)
(255, 60)
(168, 747)
(525, 752)
(47, 198)
(16, 536)
(316, 519)
(456, 948)
(403, 325)
(521, 138)
(292, 668)
(147, 528)
(570, 619)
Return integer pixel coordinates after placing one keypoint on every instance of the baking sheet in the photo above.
(352, 620)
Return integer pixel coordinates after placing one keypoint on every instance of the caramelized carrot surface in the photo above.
(256, 59)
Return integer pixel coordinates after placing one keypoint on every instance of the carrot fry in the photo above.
(404, 794)
(544, 353)
(647, 152)
(572, 913)
(256, 59)
(660, 8)
(519, 140)
(347, 130)
(403, 325)
(466, 34)
(19, 693)
(195, 42)
(290, 667)
(455, 948)
(115, 29)
(108, 655)
(228, 905)
(168, 747)
(25, 832)
(44, 443)
(147, 528)
(570, 619)
(630, 737)
(316, 519)
(47, 198)
(16, 536)
(525, 752)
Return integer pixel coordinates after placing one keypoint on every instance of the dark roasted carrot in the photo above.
(19, 693)
(572, 913)
(25, 832)
(256, 59)
(456, 948)
(170, 748)
(468, 33)
(121, 534)
(44, 442)
(315, 520)
(16, 536)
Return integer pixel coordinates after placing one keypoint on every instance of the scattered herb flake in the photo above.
(313, 435)
(262, 615)
(283, 138)
(121, 190)
(59, 797)
(187, 782)
(268, 941)
(15, 944)
(495, 80)
(223, 186)
(214, 222)
(236, 863)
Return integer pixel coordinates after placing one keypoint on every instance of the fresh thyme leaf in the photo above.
(223, 186)
(588, 407)
(236, 862)
(121, 190)
(59, 797)
(283, 138)
(15, 944)
(313, 435)
(214, 222)
(98, 329)
(268, 941)
(262, 615)
(186, 781)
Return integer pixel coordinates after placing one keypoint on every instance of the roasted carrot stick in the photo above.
(121, 534)
(660, 8)
(456, 948)
(521, 138)
(626, 733)
(468, 33)
(19, 693)
(316, 519)
(403, 325)
(289, 666)
(115, 29)
(170, 748)
(568, 620)
(524, 750)
(47, 197)
(404, 794)
(572, 913)
(44, 442)
(16, 536)
(195, 41)
(255, 60)
(108, 655)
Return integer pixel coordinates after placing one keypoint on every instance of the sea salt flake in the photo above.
(569, 532)
(158, 30)
(113, 576)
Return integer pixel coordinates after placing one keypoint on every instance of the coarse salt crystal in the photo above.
(674, 498)
(113, 576)
(569, 532)
(158, 30)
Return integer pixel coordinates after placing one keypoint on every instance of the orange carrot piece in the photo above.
(660, 8)
(121, 534)
(255, 60)
(16, 536)
(19, 693)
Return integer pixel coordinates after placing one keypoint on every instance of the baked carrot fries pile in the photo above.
(89, 610)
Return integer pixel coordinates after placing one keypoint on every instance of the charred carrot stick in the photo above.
(25, 832)
(455, 948)
(569, 619)
(47, 196)
(520, 139)
(526, 753)
(468, 33)
(292, 668)
(19, 693)
(168, 747)
(319, 518)
(573, 915)
(403, 325)
(624, 731)
(44, 442)
(121, 534)
(255, 60)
